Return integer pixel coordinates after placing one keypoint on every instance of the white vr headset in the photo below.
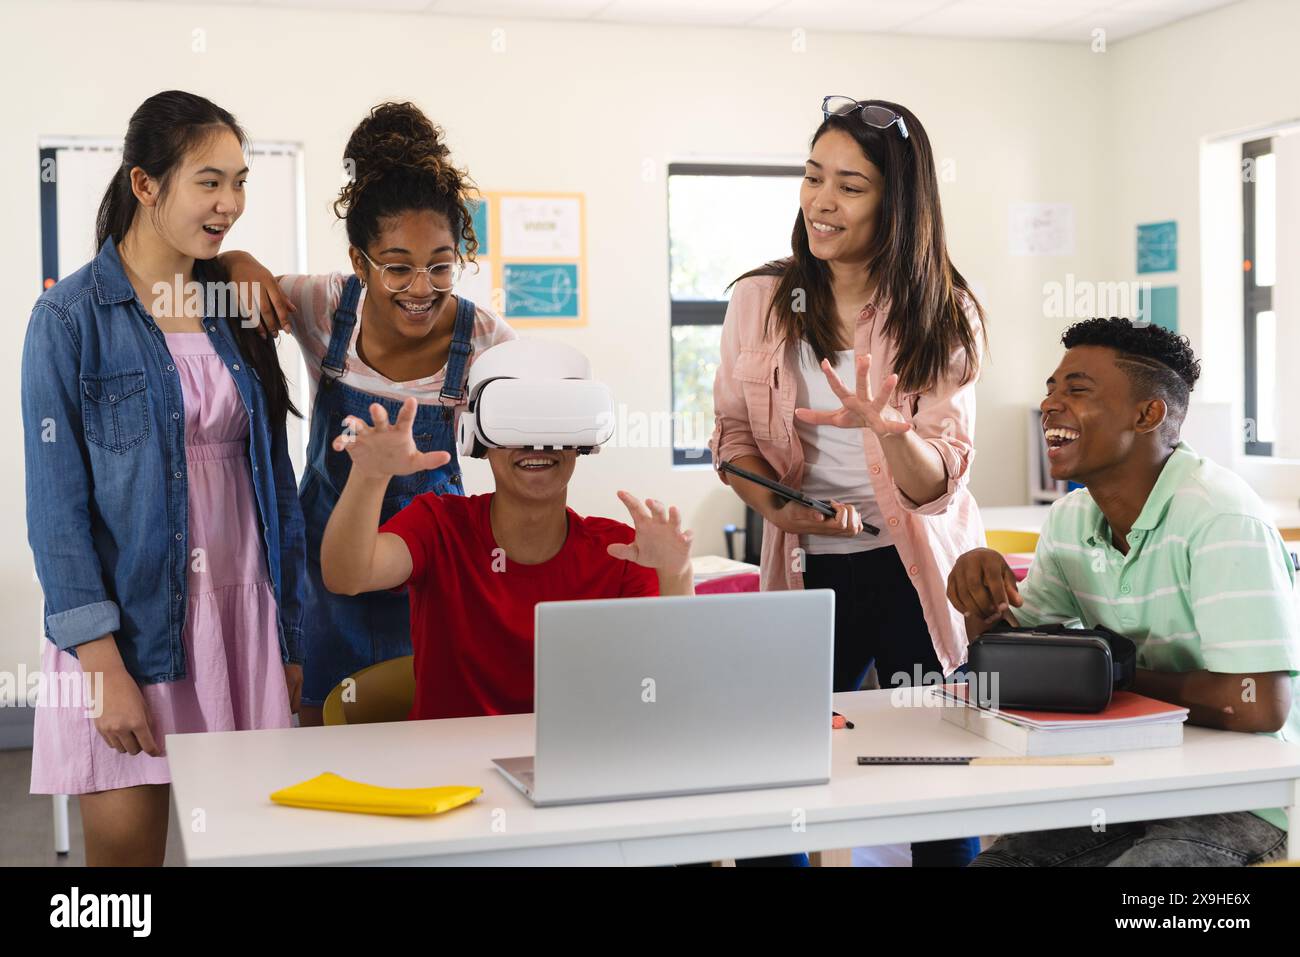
(534, 394)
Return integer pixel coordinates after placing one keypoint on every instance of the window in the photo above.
(723, 220)
(1259, 272)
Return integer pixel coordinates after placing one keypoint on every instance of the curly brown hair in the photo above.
(397, 161)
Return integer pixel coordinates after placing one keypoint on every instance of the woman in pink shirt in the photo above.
(848, 370)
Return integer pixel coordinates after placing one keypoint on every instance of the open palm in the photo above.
(661, 543)
(385, 449)
(859, 409)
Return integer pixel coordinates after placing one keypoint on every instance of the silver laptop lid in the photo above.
(651, 696)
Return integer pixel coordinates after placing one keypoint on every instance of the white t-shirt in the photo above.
(835, 461)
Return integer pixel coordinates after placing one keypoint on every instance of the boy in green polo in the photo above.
(1169, 549)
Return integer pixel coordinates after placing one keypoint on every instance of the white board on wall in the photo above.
(82, 175)
(272, 228)
(269, 228)
(1040, 229)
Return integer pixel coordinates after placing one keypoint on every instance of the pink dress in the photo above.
(234, 673)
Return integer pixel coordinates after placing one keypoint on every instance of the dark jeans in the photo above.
(1209, 840)
(878, 619)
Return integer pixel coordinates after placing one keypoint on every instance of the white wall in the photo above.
(570, 107)
(1228, 71)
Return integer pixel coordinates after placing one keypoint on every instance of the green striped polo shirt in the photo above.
(1207, 582)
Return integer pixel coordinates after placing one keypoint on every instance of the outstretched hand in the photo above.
(385, 449)
(661, 543)
(859, 409)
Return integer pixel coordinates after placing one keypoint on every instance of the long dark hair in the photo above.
(162, 131)
(926, 320)
(398, 161)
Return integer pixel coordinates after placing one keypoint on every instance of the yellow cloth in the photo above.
(329, 792)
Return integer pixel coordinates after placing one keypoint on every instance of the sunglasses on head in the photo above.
(879, 117)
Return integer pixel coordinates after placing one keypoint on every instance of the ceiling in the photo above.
(1055, 20)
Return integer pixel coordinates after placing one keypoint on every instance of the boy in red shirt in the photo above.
(476, 566)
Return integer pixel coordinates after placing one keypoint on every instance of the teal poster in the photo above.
(478, 210)
(1157, 247)
(1160, 308)
(541, 291)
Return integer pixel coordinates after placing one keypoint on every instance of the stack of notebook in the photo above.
(1130, 723)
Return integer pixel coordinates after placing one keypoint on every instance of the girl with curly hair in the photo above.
(390, 330)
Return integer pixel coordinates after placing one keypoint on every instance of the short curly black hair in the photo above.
(1159, 363)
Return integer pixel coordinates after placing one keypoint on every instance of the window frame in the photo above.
(1255, 299)
(703, 312)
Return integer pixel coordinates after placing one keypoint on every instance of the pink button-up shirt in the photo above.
(753, 403)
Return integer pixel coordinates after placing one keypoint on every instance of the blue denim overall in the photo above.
(343, 634)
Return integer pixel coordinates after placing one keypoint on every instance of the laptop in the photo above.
(652, 697)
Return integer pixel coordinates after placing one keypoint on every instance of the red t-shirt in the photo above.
(472, 608)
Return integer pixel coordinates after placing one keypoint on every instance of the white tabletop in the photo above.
(228, 777)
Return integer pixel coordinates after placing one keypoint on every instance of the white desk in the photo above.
(229, 775)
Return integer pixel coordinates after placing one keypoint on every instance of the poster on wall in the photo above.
(532, 257)
(1160, 307)
(1041, 229)
(479, 210)
(1157, 247)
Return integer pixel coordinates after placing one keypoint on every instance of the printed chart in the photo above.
(532, 265)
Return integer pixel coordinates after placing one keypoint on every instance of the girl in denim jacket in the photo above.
(161, 505)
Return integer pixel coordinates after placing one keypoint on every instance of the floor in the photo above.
(27, 824)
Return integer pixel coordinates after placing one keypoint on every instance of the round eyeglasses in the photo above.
(399, 277)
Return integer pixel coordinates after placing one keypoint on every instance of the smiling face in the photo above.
(408, 242)
(203, 198)
(840, 198)
(1092, 419)
(532, 476)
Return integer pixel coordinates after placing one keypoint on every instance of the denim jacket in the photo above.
(107, 498)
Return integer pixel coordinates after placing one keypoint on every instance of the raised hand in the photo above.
(859, 409)
(661, 543)
(383, 450)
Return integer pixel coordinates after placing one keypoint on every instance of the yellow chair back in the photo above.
(1009, 541)
(380, 692)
